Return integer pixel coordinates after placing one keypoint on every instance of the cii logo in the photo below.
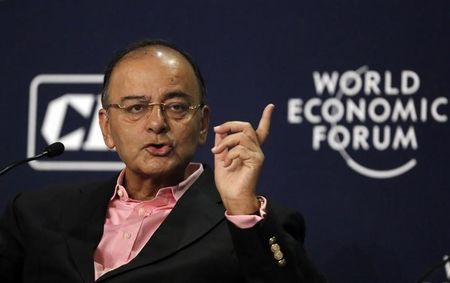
(64, 108)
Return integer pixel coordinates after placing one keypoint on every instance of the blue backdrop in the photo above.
(360, 137)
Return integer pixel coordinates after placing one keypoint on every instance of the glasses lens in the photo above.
(135, 110)
(177, 110)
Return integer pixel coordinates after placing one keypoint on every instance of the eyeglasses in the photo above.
(173, 110)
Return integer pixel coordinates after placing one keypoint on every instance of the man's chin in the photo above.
(162, 167)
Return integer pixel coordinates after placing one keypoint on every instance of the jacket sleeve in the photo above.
(11, 246)
(272, 251)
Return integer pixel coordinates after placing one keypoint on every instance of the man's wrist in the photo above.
(248, 206)
(248, 221)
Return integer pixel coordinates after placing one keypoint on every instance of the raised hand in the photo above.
(238, 160)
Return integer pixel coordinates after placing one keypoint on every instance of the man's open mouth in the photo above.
(159, 149)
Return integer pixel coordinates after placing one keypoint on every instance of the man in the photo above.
(164, 218)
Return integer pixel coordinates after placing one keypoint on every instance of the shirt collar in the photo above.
(193, 171)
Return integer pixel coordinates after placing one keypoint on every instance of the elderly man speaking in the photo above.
(163, 218)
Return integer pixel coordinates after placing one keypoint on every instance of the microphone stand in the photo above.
(17, 163)
(52, 150)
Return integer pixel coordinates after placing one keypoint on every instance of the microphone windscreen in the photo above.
(54, 149)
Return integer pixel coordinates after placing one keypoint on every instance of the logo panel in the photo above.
(64, 108)
(367, 115)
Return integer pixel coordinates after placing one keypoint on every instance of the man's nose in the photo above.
(156, 120)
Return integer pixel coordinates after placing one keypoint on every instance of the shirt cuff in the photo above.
(248, 221)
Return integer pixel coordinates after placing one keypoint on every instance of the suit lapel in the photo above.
(197, 212)
(84, 226)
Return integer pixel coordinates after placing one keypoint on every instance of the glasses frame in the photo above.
(162, 107)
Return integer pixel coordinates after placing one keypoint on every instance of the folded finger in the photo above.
(230, 141)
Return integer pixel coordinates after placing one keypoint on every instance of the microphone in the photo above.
(433, 268)
(51, 150)
(54, 149)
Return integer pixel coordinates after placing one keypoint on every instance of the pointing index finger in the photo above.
(264, 124)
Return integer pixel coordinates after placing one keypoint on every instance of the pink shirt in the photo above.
(130, 223)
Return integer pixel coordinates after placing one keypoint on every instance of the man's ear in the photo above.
(204, 124)
(105, 126)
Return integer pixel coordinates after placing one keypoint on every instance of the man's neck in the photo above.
(141, 187)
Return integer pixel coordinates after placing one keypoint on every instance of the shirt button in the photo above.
(127, 235)
(120, 193)
(141, 211)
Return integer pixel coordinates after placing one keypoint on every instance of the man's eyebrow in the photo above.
(176, 94)
(129, 97)
(166, 96)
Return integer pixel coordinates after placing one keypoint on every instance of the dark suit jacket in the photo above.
(51, 235)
